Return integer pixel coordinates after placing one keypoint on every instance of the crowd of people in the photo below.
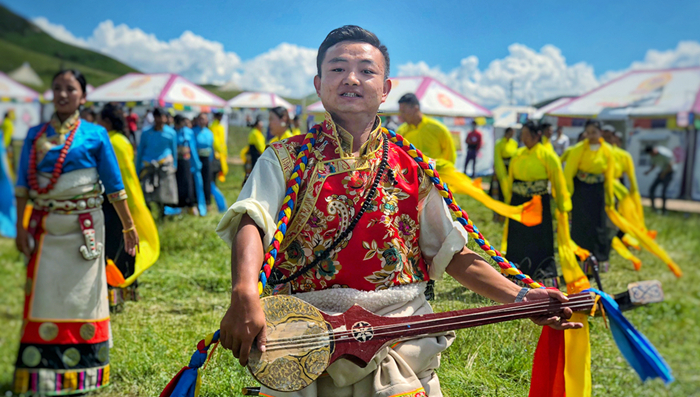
(84, 257)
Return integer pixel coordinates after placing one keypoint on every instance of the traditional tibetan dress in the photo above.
(532, 171)
(65, 340)
(122, 283)
(503, 152)
(205, 152)
(156, 164)
(405, 238)
(251, 153)
(188, 165)
(589, 173)
(435, 141)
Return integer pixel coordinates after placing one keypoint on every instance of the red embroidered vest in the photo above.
(382, 251)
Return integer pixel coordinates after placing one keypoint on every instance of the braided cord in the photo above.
(461, 216)
(290, 199)
(294, 183)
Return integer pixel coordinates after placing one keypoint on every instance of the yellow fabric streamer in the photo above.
(220, 147)
(529, 214)
(643, 238)
(149, 242)
(577, 356)
(621, 249)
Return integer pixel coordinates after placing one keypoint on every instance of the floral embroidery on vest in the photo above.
(382, 251)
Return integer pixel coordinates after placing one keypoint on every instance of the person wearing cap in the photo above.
(156, 162)
(589, 173)
(661, 157)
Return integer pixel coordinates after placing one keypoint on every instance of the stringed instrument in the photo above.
(303, 341)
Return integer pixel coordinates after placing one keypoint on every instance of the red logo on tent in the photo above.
(445, 100)
(188, 93)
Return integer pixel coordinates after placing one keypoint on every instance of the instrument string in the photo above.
(576, 302)
(320, 341)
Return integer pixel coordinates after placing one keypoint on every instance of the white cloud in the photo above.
(686, 53)
(288, 69)
(59, 32)
(535, 76)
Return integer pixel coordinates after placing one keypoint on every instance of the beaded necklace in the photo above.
(57, 168)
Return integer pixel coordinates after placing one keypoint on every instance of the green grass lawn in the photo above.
(185, 294)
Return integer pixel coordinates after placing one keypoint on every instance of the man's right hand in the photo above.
(243, 323)
(22, 241)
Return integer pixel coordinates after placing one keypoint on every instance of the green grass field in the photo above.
(185, 294)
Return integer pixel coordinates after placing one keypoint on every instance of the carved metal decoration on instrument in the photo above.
(303, 341)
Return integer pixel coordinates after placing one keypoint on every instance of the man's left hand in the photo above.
(556, 322)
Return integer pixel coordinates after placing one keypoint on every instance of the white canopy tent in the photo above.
(26, 75)
(656, 107)
(247, 105)
(157, 89)
(25, 103)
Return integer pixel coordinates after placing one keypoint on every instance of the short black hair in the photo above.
(544, 126)
(410, 99)
(351, 33)
(532, 127)
(649, 149)
(78, 76)
(158, 112)
(509, 129)
(595, 123)
(179, 118)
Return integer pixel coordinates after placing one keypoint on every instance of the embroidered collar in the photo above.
(344, 140)
(64, 127)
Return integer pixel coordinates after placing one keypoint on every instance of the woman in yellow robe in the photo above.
(532, 169)
(280, 124)
(123, 270)
(255, 148)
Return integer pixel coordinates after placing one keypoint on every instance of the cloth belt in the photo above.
(590, 179)
(183, 152)
(531, 188)
(204, 152)
(69, 206)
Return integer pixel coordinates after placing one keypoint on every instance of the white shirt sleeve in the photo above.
(440, 237)
(261, 198)
(262, 195)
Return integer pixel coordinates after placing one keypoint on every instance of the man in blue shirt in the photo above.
(156, 162)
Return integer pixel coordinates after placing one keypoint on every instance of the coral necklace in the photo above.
(57, 168)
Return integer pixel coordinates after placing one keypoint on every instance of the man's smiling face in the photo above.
(352, 79)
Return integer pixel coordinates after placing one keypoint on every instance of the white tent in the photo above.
(541, 112)
(639, 93)
(436, 99)
(260, 100)
(26, 75)
(23, 100)
(656, 107)
(161, 89)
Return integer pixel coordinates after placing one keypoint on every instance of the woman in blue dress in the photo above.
(65, 166)
(205, 151)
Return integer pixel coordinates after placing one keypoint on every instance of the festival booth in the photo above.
(24, 101)
(451, 107)
(651, 107)
(247, 105)
(510, 116)
(168, 90)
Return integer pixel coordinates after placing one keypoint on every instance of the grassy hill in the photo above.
(22, 41)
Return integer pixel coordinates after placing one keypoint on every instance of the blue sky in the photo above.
(606, 35)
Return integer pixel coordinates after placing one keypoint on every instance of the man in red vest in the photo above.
(381, 260)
